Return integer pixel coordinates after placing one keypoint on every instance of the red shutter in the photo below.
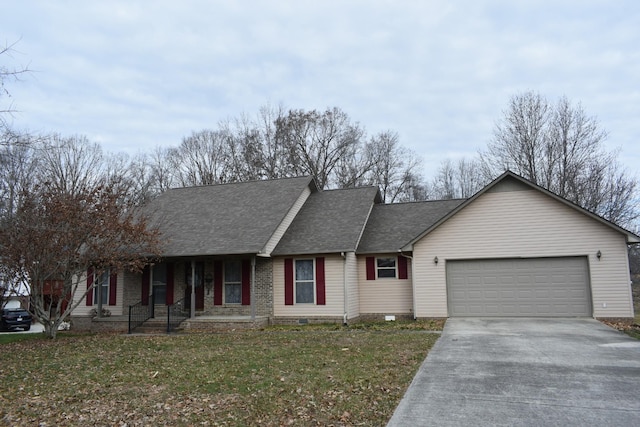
(170, 283)
(320, 287)
(288, 281)
(371, 268)
(146, 279)
(113, 287)
(217, 283)
(246, 282)
(89, 284)
(402, 268)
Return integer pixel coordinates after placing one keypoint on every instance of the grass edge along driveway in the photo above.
(277, 376)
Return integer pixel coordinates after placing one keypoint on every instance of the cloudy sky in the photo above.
(133, 75)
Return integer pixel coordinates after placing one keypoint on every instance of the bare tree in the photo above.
(393, 168)
(274, 153)
(202, 158)
(444, 184)
(158, 169)
(281, 143)
(560, 148)
(7, 74)
(70, 165)
(17, 163)
(459, 181)
(316, 142)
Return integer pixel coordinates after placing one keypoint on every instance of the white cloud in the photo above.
(134, 74)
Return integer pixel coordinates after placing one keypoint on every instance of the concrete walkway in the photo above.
(526, 372)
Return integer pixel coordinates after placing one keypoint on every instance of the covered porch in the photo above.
(204, 293)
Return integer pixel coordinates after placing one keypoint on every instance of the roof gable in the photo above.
(510, 181)
(237, 218)
(330, 221)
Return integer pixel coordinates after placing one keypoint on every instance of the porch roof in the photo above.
(224, 219)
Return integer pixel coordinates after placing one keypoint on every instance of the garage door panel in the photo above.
(519, 287)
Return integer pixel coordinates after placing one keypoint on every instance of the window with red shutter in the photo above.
(371, 268)
(288, 281)
(89, 298)
(320, 282)
(403, 272)
(113, 287)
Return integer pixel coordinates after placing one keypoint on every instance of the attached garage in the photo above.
(519, 287)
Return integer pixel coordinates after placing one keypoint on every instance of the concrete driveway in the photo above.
(524, 372)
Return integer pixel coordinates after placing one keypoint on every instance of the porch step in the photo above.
(156, 326)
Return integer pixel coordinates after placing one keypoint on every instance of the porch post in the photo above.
(152, 302)
(253, 288)
(98, 294)
(193, 289)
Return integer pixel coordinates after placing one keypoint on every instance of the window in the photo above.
(386, 267)
(232, 282)
(304, 281)
(102, 288)
(160, 283)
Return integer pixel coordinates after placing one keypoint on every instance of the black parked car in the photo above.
(13, 318)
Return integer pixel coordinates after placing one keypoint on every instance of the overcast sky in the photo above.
(133, 75)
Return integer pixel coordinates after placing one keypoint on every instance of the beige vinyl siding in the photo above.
(84, 310)
(353, 288)
(386, 295)
(334, 276)
(286, 222)
(526, 224)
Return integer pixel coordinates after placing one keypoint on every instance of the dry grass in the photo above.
(272, 377)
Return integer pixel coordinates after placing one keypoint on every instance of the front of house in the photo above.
(281, 251)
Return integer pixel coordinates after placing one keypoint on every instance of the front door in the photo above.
(199, 297)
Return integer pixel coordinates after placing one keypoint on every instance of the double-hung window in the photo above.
(304, 281)
(160, 283)
(233, 282)
(101, 290)
(386, 267)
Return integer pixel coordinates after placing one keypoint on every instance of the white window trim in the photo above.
(312, 281)
(394, 268)
(225, 283)
(97, 286)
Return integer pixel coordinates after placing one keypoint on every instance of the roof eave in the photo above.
(631, 238)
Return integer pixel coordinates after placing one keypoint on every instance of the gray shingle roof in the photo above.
(236, 218)
(330, 221)
(392, 226)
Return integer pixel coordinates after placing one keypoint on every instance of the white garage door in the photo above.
(538, 287)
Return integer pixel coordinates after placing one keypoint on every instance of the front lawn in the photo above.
(271, 377)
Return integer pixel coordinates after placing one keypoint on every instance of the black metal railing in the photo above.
(139, 313)
(176, 314)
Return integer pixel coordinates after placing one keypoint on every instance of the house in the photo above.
(281, 251)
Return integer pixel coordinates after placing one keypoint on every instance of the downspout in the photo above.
(253, 288)
(344, 286)
(413, 284)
